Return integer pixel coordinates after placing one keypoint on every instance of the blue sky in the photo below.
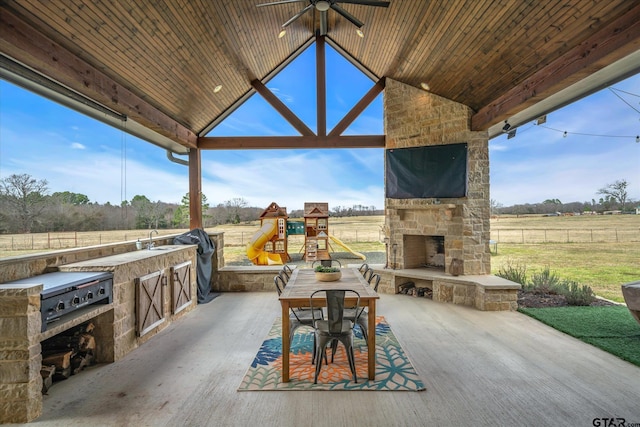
(79, 154)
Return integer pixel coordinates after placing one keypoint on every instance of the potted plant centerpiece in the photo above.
(327, 274)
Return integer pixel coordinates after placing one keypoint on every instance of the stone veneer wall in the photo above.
(413, 118)
(20, 321)
(20, 354)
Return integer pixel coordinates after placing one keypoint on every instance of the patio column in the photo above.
(195, 189)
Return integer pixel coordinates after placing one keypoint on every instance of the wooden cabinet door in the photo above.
(180, 286)
(149, 302)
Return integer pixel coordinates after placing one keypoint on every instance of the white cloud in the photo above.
(77, 146)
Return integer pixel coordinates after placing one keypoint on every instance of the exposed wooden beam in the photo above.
(321, 86)
(279, 106)
(357, 109)
(612, 42)
(290, 142)
(23, 43)
(195, 189)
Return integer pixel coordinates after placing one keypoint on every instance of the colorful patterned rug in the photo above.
(394, 371)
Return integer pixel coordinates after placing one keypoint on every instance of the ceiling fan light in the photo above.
(323, 5)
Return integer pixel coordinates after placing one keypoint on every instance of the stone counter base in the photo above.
(484, 292)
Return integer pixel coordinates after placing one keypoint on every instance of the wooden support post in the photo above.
(195, 189)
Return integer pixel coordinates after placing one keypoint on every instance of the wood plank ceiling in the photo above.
(158, 63)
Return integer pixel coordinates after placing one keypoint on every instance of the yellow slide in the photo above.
(339, 242)
(255, 251)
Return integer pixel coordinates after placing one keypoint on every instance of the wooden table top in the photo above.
(303, 283)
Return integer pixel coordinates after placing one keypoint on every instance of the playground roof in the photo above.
(160, 64)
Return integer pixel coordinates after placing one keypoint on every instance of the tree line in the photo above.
(27, 206)
(613, 197)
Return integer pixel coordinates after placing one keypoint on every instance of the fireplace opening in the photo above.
(424, 252)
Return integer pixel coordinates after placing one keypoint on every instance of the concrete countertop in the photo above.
(127, 257)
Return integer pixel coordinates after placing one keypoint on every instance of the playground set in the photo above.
(269, 245)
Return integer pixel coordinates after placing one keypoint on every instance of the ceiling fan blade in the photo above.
(366, 2)
(347, 15)
(280, 2)
(323, 23)
(297, 15)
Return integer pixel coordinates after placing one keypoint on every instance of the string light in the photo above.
(539, 122)
(566, 133)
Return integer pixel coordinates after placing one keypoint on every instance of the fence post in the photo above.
(522, 235)
(48, 240)
(75, 238)
(592, 235)
(616, 235)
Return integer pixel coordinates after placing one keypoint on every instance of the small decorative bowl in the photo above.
(328, 277)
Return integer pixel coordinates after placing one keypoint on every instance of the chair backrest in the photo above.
(364, 267)
(374, 281)
(367, 274)
(284, 276)
(335, 307)
(280, 284)
(287, 270)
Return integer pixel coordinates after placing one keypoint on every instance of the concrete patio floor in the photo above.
(479, 368)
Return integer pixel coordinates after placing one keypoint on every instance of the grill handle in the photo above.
(88, 284)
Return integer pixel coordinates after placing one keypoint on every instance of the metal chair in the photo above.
(364, 267)
(368, 273)
(362, 318)
(286, 272)
(334, 328)
(297, 318)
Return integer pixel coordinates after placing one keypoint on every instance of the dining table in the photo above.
(297, 293)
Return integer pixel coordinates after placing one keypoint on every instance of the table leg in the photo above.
(286, 345)
(371, 339)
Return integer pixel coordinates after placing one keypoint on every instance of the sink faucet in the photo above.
(150, 244)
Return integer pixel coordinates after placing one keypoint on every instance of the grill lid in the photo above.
(60, 282)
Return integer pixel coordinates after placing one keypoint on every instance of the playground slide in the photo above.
(339, 242)
(255, 251)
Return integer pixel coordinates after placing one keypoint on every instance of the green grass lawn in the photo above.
(610, 328)
(602, 266)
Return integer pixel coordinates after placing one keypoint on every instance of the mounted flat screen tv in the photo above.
(435, 171)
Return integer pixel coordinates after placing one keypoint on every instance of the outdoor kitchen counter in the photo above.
(133, 292)
(115, 322)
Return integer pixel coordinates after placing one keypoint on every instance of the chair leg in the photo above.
(348, 347)
(320, 349)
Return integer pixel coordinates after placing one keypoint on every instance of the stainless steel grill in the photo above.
(64, 292)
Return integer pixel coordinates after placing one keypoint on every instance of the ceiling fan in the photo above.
(323, 6)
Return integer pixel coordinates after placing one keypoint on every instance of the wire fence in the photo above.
(565, 235)
(68, 240)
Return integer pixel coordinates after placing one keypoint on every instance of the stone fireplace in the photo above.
(430, 233)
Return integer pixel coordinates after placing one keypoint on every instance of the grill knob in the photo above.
(60, 306)
(90, 295)
(101, 291)
(75, 300)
